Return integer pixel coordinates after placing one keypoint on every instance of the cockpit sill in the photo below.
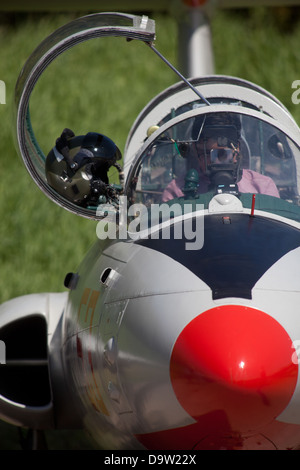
(184, 218)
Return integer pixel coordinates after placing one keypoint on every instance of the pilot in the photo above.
(216, 154)
(77, 167)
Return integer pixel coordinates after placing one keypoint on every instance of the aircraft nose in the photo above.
(234, 362)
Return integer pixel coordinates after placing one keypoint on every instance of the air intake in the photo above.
(24, 378)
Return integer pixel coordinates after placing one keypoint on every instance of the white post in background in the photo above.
(195, 50)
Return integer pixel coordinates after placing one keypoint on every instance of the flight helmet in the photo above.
(222, 163)
(77, 166)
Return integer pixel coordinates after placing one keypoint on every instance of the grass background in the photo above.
(102, 85)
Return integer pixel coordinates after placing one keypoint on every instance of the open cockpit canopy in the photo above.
(176, 133)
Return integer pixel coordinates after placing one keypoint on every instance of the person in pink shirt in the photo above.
(216, 155)
(251, 182)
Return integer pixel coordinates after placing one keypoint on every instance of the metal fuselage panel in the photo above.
(120, 327)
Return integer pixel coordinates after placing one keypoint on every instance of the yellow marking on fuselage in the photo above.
(87, 308)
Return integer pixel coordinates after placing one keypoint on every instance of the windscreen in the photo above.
(218, 152)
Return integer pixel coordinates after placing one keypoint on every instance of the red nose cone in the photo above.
(236, 362)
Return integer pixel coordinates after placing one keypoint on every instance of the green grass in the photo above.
(102, 86)
(259, 47)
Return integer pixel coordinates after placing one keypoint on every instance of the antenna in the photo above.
(178, 73)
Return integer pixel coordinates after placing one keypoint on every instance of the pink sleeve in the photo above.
(253, 182)
(172, 190)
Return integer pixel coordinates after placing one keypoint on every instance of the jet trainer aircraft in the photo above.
(179, 330)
